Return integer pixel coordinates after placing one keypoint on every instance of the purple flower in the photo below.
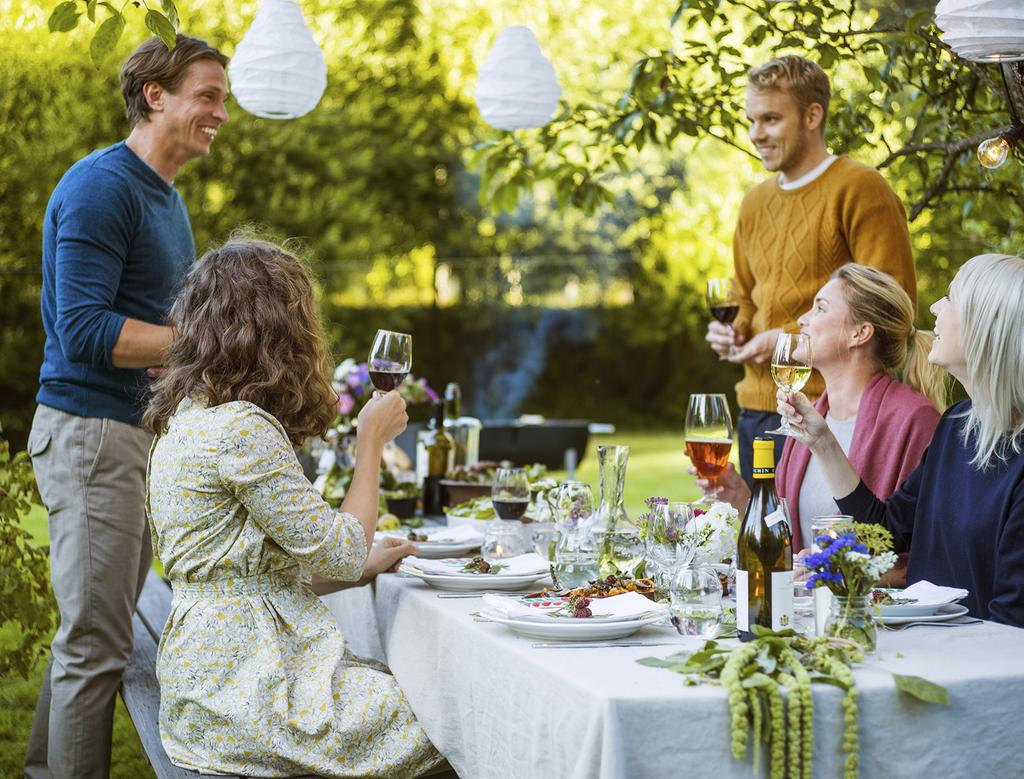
(345, 404)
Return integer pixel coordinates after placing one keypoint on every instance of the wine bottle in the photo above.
(439, 450)
(764, 555)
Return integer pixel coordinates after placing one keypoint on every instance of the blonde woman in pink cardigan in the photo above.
(882, 398)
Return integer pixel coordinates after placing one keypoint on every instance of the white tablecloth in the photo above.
(496, 707)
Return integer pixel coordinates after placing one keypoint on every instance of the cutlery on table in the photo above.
(952, 623)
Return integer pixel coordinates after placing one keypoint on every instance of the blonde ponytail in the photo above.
(875, 297)
(920, 375)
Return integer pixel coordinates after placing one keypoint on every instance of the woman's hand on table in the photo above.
(386, 555)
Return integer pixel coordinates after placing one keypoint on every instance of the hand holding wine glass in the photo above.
(708, 438)
(791, 368)
(390, 359)
(723, 305)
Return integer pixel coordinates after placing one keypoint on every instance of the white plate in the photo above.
(907, 609)
(573, 629)
(942, 614)
(434, 550)
(469, 582)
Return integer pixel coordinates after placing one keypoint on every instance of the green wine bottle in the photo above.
(764, 555)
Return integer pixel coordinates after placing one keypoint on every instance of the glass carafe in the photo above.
(622, 551)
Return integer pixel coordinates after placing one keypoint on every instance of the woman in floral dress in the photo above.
(254, 675)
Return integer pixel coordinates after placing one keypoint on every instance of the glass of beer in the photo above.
(709, 438)
(791, 368)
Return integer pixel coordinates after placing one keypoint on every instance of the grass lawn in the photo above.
(657, 466)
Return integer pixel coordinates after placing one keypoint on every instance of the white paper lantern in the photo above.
(278, 71)
(983, 30)
(517, 86)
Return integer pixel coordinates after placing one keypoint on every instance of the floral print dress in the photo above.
(254, 674)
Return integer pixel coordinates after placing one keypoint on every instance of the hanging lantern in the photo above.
(517, 87)
(278, 71)
(983, 30)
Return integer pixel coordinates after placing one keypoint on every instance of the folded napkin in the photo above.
(928, 594)
(628, 606)
(513, 566)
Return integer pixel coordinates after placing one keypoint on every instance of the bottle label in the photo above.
(742, 595)
(777, 516)
(782, 600)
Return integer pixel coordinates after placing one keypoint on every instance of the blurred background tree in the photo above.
(558, 271)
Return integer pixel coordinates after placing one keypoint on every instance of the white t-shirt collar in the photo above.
(810, 176)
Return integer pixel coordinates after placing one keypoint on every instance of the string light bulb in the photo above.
(992, 152)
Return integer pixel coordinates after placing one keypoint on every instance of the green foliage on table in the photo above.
(26, 600)
(474, 508)
(756, 674)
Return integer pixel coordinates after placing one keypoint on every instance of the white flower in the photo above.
(724, 522)
(344, 369)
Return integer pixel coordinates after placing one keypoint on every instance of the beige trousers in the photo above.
(92, 478)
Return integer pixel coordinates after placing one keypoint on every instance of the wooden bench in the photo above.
(140, 689)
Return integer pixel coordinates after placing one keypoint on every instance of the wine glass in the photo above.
(510, 493)
(390, 359)
(671, 543)
(709, 438)
(722, 303)
(791, 368)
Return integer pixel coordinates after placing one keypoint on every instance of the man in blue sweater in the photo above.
(117, 242)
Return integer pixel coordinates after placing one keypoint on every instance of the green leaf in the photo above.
(171, 13)
(90, 10)
(922, 689)
(105, 39)
(161, 25)
(64, 17)
(668, 662)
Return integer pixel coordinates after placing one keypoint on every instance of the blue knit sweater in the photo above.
(964, 527)
(116, 244)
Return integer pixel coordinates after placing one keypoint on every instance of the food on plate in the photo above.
(475, 508)
(388, 522)
(480, 565)
(889, 598)
(414, 536)
(602, 588)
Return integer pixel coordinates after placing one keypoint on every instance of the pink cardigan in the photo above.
(894, 426)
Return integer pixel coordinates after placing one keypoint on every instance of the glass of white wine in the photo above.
(791, 368)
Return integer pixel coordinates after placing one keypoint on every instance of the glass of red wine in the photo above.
(390, 359)
(510, 493)
(722, 302)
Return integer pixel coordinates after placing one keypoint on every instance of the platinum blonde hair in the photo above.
(988, 295)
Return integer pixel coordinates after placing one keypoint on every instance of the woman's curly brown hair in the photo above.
(248, 328)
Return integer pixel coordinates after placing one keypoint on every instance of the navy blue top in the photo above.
(116, 244)
(964, 527)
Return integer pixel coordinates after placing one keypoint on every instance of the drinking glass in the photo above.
(825, 525)
(390, 359)
(670, 541)
(708, 438)
(791, 368)
(695, 598)
(722, 303)
(803, 599)
(574, 504)
(502, 539)
(510, 493)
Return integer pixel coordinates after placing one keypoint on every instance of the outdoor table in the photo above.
(497, 707)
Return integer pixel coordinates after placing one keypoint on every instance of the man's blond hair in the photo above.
(804, 80)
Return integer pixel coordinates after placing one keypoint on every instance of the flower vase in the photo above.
(850, 618)
(622, 550)
(345, 450)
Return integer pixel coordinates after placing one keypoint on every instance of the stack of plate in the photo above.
(615, 617)
(448, 574)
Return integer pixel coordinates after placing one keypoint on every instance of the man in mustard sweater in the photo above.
(818, 212)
